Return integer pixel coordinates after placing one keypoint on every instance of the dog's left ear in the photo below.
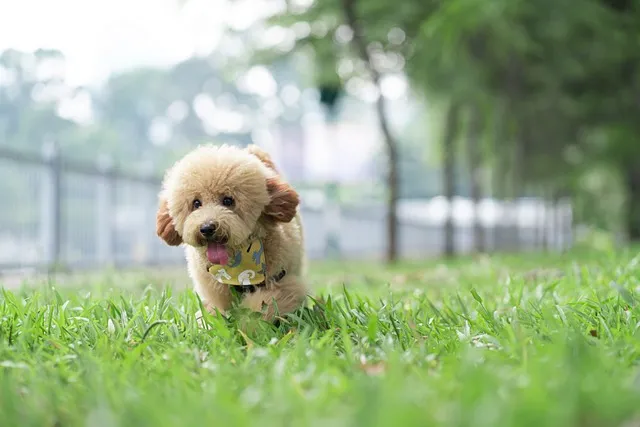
(284, 200)
(262, 155)
(164, 225)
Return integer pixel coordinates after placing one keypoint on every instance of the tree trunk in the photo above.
(393, 183)
(513, 92)
(500, 170)
(556, 223)
(632, 184)
(546, 218)
(393, 187)
(474, 154)
(449, 176)
(517, 165)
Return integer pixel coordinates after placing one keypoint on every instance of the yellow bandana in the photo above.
(246, 267)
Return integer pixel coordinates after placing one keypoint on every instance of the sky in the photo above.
(102, 36)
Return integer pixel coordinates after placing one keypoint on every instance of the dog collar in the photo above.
(247, 266)
(252, 288)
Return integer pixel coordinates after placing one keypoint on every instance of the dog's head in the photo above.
(215, 196)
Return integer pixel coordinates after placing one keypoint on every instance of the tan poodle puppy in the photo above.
(239, 222)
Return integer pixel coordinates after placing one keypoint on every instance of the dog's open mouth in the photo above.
(217, 254)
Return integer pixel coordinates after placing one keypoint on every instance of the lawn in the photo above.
(503, 341)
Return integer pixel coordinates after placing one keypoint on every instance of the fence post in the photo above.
(51, 206)
(154, 254)
(105, 212)
(332, 220)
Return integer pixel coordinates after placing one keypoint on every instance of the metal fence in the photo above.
(55, 212)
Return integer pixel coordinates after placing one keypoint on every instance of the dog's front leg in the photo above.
(215, 298)
(278, 298)
(211, 309)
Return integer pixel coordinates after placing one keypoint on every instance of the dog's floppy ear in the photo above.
(164, 225)
(284, 200)
(262, 155)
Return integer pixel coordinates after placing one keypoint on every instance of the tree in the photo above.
(448, 159)
(374, 42)
(474, 160)
(393, 182)
(30, 94)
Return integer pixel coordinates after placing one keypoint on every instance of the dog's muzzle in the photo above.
(210, 232)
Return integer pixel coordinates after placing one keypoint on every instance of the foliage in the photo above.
(555, 75)
(138, 118)
(485, 342)
(556, 84)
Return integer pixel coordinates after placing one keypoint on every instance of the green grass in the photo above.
(508, 341)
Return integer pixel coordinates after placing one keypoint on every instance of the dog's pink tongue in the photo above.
(217, 254)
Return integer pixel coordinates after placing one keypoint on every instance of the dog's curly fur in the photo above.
(265, 207)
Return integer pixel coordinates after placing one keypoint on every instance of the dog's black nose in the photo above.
(208, 230)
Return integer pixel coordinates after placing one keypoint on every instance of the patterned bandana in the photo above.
(246, 267)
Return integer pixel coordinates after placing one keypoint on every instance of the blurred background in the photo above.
(412, 129)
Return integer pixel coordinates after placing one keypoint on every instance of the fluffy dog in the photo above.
(238, 220)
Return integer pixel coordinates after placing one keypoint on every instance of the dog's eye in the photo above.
(227, 201)
(196, 204)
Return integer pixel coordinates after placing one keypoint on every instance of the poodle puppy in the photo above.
(238, 220)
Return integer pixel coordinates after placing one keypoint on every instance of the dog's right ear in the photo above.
(164, 225)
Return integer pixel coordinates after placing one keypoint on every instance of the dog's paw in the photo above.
(200, 321)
